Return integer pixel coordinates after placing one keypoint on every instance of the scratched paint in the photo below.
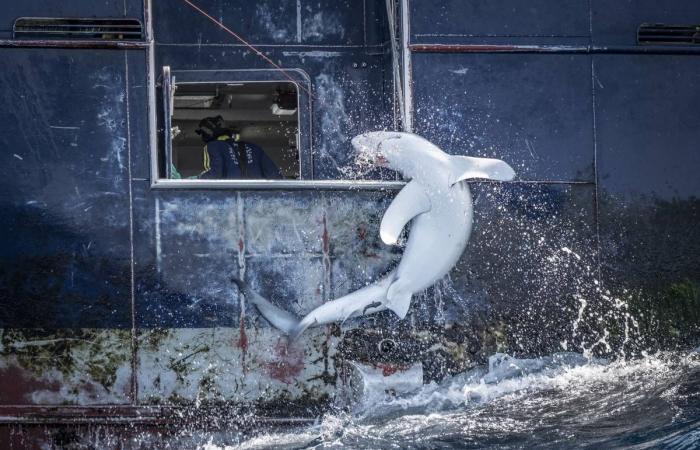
(313, 54)
(320, 25)
(268, 15)
(198, 366)
(83, 367)
(334, 120)
(531, 263)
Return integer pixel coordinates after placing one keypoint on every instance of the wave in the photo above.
(560, 401)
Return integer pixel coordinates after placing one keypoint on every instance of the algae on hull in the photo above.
(68, 366)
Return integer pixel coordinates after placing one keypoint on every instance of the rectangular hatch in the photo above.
(78, 28)
(663, 34)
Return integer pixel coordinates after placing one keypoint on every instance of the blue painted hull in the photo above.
(116, 293)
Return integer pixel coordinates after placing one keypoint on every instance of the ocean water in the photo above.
(565, 400)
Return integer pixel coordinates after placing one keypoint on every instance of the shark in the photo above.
(436, 202)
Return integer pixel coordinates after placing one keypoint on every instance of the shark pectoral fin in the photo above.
(409, 202)
(398, 299)
(465, 167)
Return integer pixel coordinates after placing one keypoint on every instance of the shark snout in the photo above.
(369, 147)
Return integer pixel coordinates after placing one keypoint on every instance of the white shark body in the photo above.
(438, 203)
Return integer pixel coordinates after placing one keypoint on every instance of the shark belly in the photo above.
(436, 241)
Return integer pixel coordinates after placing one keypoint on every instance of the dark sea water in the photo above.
(560, 401)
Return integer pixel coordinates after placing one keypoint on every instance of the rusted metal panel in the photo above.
(285, 246)
(68, 366)
(208, 367)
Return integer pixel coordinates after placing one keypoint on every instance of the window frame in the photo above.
(171, 78)
(302, 81)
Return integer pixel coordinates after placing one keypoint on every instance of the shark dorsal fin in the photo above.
(409, 202)
(465, 167)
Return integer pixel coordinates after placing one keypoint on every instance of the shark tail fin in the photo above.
(371, 297)
(283, 320)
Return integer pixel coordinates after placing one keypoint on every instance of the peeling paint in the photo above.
(188, 366)
(80, 367)
(314, 54)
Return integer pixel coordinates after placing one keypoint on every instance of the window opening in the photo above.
(238, 130)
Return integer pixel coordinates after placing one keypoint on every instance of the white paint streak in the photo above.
(407, 69)
(333, 116)
(111, 114)
(314, 54)
(460, 71)
(531, 148)
(265, 15)
(159, 256)
(322, 25)
(299, 21)
(240, 216)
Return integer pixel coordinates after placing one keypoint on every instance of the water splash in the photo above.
(565, 399)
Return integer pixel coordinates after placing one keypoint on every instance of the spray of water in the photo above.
(551, 401)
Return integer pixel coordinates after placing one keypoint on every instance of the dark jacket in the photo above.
(225, 158)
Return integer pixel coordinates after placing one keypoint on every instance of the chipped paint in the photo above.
(188, 366)
(314, 54)
(287, 363)
(82, 367)
(321, 25)
(112, 114)
(270, 19)
(198, 344)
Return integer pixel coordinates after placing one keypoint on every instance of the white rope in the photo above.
(391, 16)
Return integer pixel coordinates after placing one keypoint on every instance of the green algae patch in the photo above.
(70, 366)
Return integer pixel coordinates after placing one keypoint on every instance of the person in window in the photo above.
(226, 157)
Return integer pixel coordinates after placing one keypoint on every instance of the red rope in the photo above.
(247, 44)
